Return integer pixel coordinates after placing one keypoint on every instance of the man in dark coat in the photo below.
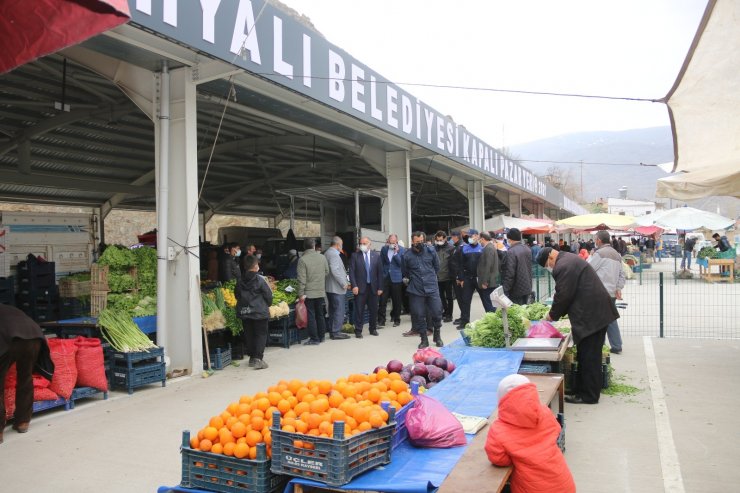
(420, 267)
(517, 270)
(581, 295)
(21, 342)
(444, 279)
(455, 268)
(366, 278)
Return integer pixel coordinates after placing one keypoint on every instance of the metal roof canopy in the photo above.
(101, 152)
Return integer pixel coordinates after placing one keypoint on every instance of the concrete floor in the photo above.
(130, 443)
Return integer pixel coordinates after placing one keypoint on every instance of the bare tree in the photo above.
(563, 180)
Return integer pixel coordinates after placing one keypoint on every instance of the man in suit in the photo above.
(391, 257)
(366, 278)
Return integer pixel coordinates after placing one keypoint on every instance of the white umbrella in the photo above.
(649, 219)
(688, 218)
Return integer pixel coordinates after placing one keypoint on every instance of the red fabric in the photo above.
(90, 364)
(524, 435)
(63, 354)
(32, 29)
(10, 380)
(41, 390)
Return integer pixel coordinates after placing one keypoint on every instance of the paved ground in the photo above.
(130, 443)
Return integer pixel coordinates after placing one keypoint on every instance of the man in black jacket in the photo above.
(21, 342)
(455, 268)
(517, 277)
(581, 295)
(254, 298)
(444, 279)
(420, 267)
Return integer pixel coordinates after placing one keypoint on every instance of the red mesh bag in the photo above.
(41, 390)
(90, 364)
(10, 380)
(63, 354)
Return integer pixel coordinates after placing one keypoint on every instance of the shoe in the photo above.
(310, 342)
(447, 320)
(251, 362)
(577, 399)
(381, 324)
(339, 336)
(615, 351)
(411, 333)
(438, 338)
(260, 364)
(396, 323)
(21, 427)
(456, 321)
(374, 333)
(321, 340)
(358, 335)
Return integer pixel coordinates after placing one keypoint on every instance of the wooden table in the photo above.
(474, 472)
(723, 264)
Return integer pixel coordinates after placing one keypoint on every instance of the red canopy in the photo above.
(32, 29)
(648, 230)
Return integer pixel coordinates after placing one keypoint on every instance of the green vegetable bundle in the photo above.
(536, 311)
(146, 263)
(119, 283)
(122, 333)
(707, 252)
(118, 258)
(280, 294)
(232, 321)
(488, 331)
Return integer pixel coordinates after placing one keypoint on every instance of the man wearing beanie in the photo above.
(580, 294)
(517, 272)
(524, 435)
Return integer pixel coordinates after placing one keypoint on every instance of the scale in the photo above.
(501, 301)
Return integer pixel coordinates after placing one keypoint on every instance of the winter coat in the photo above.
(253, 297)
(581, 295)
(14, 324)
(421, 270)
(392, 267)
(443, 254)
(455, 260)
(469, 257)
(336, 280)
(517, 271)
(230, 268)
(488, 267)
(312, 271)
(608, 266)
(524, 435)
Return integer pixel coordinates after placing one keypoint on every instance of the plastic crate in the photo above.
(73, 308)
(35, 268)
(131, 360)
(221, 473)
(281, 333)
(334, 461)
(84, 393)
(7, 290)
(39, 406)
(534, 368)
(138, 376)
(220, 359)
(561, 436)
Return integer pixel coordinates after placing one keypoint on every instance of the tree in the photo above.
(563, 180)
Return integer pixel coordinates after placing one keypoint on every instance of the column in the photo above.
(515, 205)
(181, 311)
(476, 205)
(397, 206)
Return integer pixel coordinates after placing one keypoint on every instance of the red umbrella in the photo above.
(32, 29)
(648, 230)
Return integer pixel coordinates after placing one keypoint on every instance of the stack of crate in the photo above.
(37, 290)
(98, 289)
(7, 290)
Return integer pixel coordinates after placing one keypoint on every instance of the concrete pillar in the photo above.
(397, 206)
(515, 205)
(183, 344)
(476, 204)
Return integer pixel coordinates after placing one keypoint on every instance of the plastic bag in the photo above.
(430, 424)
(41, 390)
(423, 354)
(543, 328)
(301, 315)
(90, 364)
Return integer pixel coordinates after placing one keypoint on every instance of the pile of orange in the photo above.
(309, 408)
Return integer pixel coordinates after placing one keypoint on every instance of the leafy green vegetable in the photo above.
(488, 331)
(118, 258)
(79, 277)
(119, 283)
(232, 321)
(122, 333)
(280, 294)
(146, 262)
(707, 252)
(536, 311)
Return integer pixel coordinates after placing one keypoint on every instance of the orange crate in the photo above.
(99, 277)
(98, 302)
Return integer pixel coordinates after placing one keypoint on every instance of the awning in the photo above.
(688, 219)
(32, 29)
(648, 230)
(526, 226)
(588, 222)
(703, 109)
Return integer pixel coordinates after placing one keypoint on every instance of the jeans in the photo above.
(612, 332)
(686, 260)
(316, 321)
(336, 312)
(445, 296)
(255, 337)
(24, 353)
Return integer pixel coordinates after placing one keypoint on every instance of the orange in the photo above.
(364, 426)
(308, 445)
(224, 416)
(381, 386)
(290, 414)
(373, 395)
(201, 433)
(382, 373)
(294, 385)
(272, 388)
(338, 415)
(283, 406)
(241, 450)
(232, 408)
(325, 427)
(274, 398)
(238, 430)
(225, 436)
(298, 443)
(301, 426)
(267, 438)
(270, 411)
(243, 408)
(302, 391)
(262, 403)
(399, 386)
(361, 414)
(217, 448)
(304, 416)
(324, 386)
(301, 408)
(293, 401)
(258, 423)
(286, 394)
(245, 399)
(376, 420)
(384, 415)
(205, 445)
(229, 449)
(394, 376)
(319, 406)
(194, 443)
(314, 420)
(308, 397)
(253, 438)
(258, 412)
(245, 418)
(260, 395)
(404, 398)
(313, 432)
(350, 422)
(216, 422)
(242, 440)
(289, 428)
(210, 433)
(253, 453)
(289, 421)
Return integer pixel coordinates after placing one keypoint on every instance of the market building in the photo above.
(196, 109)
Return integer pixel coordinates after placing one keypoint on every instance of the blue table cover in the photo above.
(148, 325)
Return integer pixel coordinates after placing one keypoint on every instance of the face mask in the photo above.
(418, 246)
(363, 248)
(259, 256)
(440, 243)
(238, 253)
(549, 269)
(472, 241)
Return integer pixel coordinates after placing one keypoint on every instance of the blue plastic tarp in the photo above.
(472, 389)
(148, 325)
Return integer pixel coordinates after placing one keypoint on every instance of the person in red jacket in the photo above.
(525, 436)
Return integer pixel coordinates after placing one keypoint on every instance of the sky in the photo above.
(624, 48)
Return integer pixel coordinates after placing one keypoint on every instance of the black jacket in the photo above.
(14, 324)
(421, 268)
(444, 253)
(469, 256)
(517, 271)
(229, 268)
(581, 295)
(253, 297)
(455, 259)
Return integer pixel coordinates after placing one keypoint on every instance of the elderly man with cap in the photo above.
(467, 277)
(524, 436)
(580, 294)
(21, 342)
(517, 270)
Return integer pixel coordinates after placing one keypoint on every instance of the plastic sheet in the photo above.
(471, 389)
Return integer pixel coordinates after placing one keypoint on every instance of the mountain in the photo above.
(620, 154)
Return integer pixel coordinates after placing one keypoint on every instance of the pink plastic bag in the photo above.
(544, 328)
(423, 354)
(430, 424)
(301, 315)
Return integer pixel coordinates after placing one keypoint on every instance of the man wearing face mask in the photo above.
(444, 280)
(336, 288)
(230, 267)
(467, 278)
(366, 278)
(420, 267)
(456, 268)
(580, 294)
(390, 257)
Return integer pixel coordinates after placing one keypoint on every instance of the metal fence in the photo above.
(658, 302)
